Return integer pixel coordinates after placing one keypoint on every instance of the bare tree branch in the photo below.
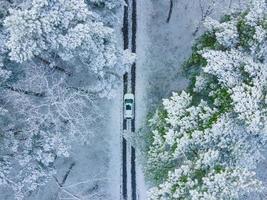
(46, 62)
(204, 14)
(88, 92)
(67, 173)
(65, 190)
(26, 92)
(230, 3)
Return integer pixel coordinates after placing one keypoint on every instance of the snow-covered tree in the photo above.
(43, 117)
(43, 25)
(110, 4)
(245, 80)
(191, 182)
(71, 31)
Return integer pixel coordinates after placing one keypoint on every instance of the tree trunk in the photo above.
(55, 67)
(19, 90)
(170, 11)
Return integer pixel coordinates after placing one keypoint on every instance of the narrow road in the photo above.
(128, 175)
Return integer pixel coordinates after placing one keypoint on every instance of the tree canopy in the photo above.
(206, 142)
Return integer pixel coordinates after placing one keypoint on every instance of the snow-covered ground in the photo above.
(95, 174)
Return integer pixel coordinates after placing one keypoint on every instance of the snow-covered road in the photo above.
(128, 155)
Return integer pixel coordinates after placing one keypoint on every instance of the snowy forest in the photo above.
(206, 141)
(133, 100)
(59, 58)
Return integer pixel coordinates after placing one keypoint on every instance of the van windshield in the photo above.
(128, 101)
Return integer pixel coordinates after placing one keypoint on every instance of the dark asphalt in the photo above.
(133, 174)
(124, 169)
